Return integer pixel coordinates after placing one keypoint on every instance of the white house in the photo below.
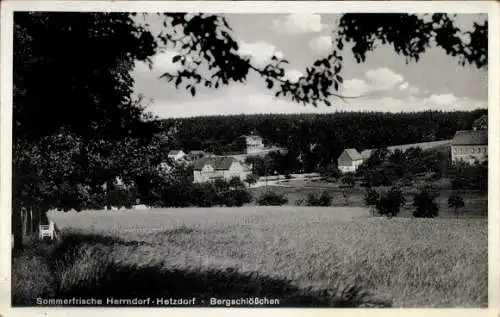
(176, 155)
(254, 144)
(349, 161)
(220, 167)
(470, 146)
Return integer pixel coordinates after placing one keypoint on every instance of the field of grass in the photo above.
(337, 251)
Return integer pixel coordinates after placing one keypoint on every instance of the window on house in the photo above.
(472, 150)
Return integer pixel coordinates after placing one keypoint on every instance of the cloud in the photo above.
(375, 80)
(247, 99)
(383, 78)
(404, 86)
(293, 75)
(162, 63)
(444, 99)
(321, 44)
(414, 90)
(259, 52)
(299, 23)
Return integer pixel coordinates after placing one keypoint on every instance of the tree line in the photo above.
(318, 139)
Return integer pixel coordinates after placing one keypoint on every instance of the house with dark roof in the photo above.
(480, 123)
(176, 155)
(209, 169)
(349, 160)
(470, 146)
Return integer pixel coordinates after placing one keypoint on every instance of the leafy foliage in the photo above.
(456, 202)
(323, 200)
(371, 197)
(270, 198)
(466, 176)
(389, 203)
(425, 204)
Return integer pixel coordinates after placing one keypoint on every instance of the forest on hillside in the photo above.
(323, 136)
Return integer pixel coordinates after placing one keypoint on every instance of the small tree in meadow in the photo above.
(349, 180)
(456, 202)
(270, 198)
(251, 179)
(426, 206)
(323, 200)
(389, 204)
(371, 198)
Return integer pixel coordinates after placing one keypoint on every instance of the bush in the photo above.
(371, 197)
(325, 199)
(270, 198)
(349, 180)
(237, 197)
(389, 204)
(456, 202)
(425, 205)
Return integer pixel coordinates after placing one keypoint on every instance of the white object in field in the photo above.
(47, 231)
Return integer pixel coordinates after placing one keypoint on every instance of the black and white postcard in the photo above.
(183, 156)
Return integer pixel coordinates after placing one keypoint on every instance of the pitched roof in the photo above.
(195, 152)
(474, 137)
(174, 152)
(478, 121)
(218, 162)
(366, 154)
(353, 154)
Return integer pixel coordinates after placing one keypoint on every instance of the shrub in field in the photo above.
(467, 176)
(349, 180)
(237, 197)
(371, 198)
(456, 202)
(270, 198)
(425, 204)
(251, 179)
(389, 203)
(323, 200)
(204, 195)
(300, 202)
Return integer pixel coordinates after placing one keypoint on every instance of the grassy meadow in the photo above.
(306, 256)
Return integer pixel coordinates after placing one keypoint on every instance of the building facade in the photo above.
(470, 146)
(349, 161)
(254, 144)
(211, 168)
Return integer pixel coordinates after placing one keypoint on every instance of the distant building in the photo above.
(220, 167)
(470, 146)
(349, 160)
(254, 144)
(366, 154)
(195, 155)
(176, 155)
(480, 123)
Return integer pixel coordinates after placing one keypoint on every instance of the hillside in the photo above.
(324, 135)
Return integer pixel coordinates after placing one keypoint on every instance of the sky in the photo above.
(436, 82)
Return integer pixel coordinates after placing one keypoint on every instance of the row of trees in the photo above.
(389, 203)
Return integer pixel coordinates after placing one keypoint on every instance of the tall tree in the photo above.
(72, 101)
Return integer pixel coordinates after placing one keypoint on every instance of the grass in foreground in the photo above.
(305, 256)
(86, 265)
